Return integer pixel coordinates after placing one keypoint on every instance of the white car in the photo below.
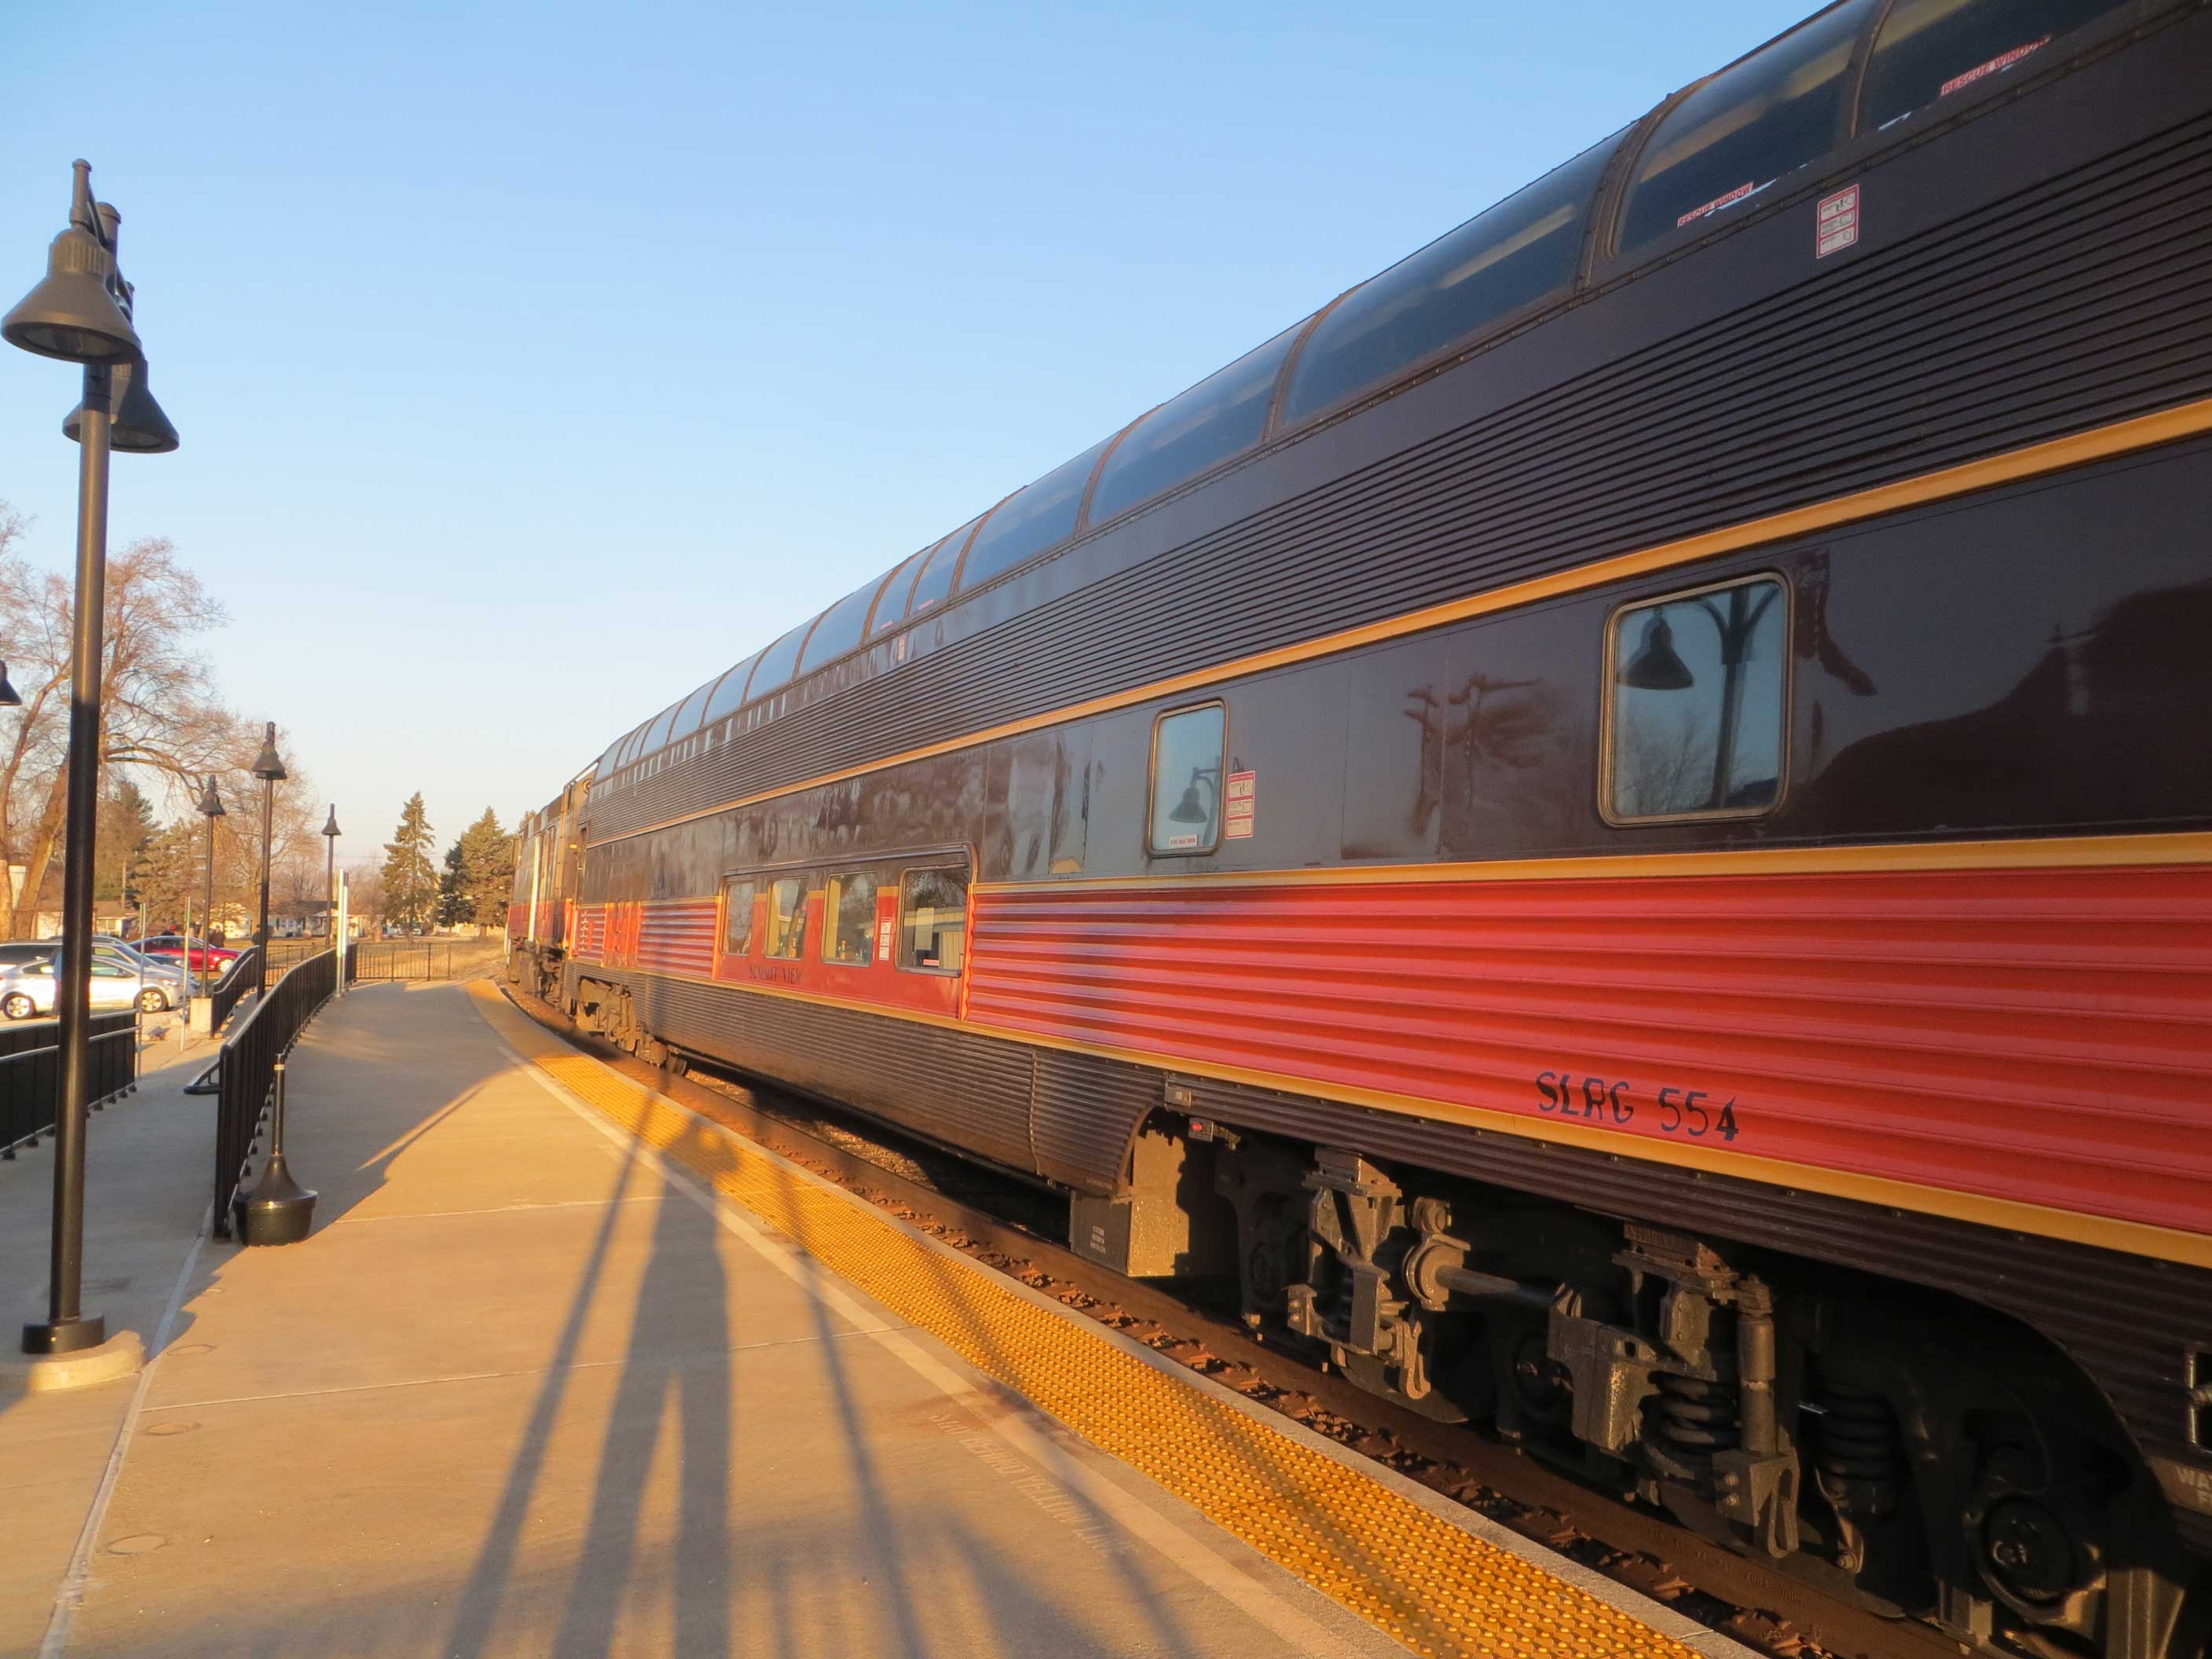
(28, 992)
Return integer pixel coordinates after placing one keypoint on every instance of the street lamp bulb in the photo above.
(72, 314)
(329, 828)
(266, 765)
(137, 426)
(210, 803)
(9, 697)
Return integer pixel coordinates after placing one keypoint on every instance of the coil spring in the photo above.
(1694, 1418)
(1859, 1438)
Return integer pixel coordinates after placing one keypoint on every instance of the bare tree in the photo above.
(158, 707)
(365, 887)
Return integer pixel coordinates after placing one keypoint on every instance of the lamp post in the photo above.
(330, 875)
(80, 313)
(210, 808)
(270, 770)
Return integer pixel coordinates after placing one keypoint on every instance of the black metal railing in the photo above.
(249, 1063)
(371, 960)
(290, 952)
(30, 1073)
(237, 980)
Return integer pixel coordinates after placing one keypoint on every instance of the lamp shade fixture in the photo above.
(139, 426)
(1189, 809)
(72, 315)
(210, 803)
(1657, 666)
(266, 764)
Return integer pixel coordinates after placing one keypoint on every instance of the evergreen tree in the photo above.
(453, 880)
(410, 881)
(487, 879)
(126, 825)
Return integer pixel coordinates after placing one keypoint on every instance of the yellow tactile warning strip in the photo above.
(1435, 1587)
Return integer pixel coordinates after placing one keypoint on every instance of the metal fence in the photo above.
(290, 952)
(249, 1063)
(31, 1073)
(237, 980)
(400, 958)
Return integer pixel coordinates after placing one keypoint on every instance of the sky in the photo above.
(535, 362)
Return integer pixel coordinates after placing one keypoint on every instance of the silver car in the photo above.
(170, 974)
(28, 992)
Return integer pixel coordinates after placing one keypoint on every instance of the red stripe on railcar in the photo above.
(678, 938)
(2039, 1036)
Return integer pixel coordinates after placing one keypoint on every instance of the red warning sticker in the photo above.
(1717, 203)
(2003, 60)
(1240, 797)
(1836, 225)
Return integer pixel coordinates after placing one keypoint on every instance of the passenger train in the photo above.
(1616, 826)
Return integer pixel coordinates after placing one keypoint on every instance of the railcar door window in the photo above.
(849, 928)
(1695, 726)
(933, 904)
(1188, 747)
(738, 917)
(787, 918)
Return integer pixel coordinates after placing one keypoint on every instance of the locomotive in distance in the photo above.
(1615, 827)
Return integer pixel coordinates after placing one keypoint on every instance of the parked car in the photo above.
(28, 992)
(206, 957)
(18, 953)
(160, 966)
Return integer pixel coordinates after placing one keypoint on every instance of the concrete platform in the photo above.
(532, 1388)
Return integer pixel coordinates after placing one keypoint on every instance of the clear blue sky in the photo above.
(535, 362)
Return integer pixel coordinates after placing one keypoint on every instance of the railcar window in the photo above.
(787, 918)
(933, 929)
(738, 917)
(1930, 49)
(1695, 721)
(849, 924)
(890, 605)
(839, 631)
(776, 663)
(730, 690)
(657, 734)
(691, 712)
(1032, 521)
(1188, 746)
(935, 581)
(1223, 415)
(1727, 141)
(1497, 262)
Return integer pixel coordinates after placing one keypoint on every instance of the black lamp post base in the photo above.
(278, 1210)
(66, 1336)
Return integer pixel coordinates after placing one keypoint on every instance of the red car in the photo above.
(205, 956)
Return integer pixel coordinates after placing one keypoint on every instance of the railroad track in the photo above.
(1000, 1222)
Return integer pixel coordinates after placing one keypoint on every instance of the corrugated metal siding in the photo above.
(969, 1091)
(2041, 1035)
(1087, 1113)
(2066, 306)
